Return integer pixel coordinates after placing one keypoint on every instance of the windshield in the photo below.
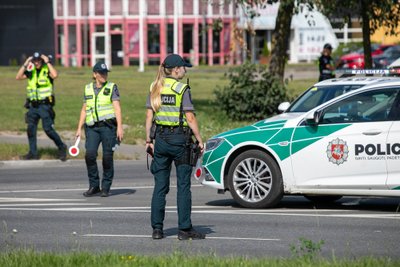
(318, 95)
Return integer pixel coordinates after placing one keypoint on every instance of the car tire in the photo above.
(323, 199)
(255, 180)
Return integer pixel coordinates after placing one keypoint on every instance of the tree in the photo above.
(374, 14)
(281, 33)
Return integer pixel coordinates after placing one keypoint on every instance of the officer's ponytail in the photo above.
(157, 86)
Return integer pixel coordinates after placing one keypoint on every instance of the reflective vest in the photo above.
(39, 86)
(171, 100)
(99, 107)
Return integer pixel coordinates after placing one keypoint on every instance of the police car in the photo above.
(348, 145)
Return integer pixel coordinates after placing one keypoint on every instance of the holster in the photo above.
(194, 154)
(153, 131)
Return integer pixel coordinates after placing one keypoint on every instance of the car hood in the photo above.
(275, 122)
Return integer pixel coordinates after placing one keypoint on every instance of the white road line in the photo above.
(393, 216)
(15, 199)
(81, 189)
(48, 204)
(174, 237)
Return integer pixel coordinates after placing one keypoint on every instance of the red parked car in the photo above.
(355, 60)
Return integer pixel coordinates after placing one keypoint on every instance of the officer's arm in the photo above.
(118, 116)
(21, 72)
(149, 122)
(82, 118)
(52, 71)
(192, 121)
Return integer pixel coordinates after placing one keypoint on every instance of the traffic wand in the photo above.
(74, 150)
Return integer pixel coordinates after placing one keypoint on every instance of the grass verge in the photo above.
(85, 259)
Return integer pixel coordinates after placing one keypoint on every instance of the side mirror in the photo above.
(283, 106)
(314, 118)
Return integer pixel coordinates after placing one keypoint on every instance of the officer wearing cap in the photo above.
(102, 120)
(170, 113)
(40, 73)
(326, 65)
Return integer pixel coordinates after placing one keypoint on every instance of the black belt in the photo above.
(162, 128)
(40, 102)
(107, 123)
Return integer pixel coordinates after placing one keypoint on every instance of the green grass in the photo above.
(86, 259)
(134, 87)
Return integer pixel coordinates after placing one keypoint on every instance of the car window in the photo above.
(318, 95)
(364, 107)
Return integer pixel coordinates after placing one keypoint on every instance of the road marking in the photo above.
(47, 204)
(393, 216)
(81, 189)
(175, 237)
(31, 199)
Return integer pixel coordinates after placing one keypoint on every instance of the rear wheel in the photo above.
(255, 180)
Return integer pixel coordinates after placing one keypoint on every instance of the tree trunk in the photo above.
(280, 39)
(366, 32)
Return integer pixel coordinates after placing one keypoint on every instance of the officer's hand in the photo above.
(45, 58)
(201, 146)
(120, 133)
(29, 59)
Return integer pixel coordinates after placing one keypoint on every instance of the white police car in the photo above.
(349, 145)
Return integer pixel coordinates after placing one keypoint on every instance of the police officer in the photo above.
(40, 73)
(169, 107)
(326, 66)
(101, 117)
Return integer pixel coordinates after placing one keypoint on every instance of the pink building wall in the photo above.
(76, 26)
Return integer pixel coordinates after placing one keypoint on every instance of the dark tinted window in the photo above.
(377, 105)
(318, 95)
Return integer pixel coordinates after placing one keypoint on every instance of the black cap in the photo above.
(328, 46)
(100, 67)
(174, 60)
(36, 56)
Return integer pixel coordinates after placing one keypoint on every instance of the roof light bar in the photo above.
(372, 71)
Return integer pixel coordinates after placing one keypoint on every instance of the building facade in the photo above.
(132, 32)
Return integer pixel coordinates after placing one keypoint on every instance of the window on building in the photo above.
(153, 37)
(169, 9)
(170, 38)
(71, 8)
(60, 9)
(85, 7)
(215, 7)
(133, 7)
(188, 8)
(116, 7)
(188, 39)
(153, 7)
(99, 8)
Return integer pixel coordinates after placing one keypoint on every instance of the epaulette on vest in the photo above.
(179, 87)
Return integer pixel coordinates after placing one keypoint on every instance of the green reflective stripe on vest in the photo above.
(39, 86)
(168, 114)
(100, 107)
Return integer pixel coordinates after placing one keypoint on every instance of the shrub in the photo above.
(252, 93)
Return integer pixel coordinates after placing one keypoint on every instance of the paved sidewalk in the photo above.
(132, 152)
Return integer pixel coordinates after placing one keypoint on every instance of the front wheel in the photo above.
(255, 180)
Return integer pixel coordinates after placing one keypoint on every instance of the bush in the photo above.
(251, 94)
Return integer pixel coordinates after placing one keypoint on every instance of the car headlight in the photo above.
(213, 143)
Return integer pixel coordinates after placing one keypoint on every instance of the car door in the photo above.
(346, 149)
(393, 145)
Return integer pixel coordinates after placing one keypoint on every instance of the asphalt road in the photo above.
(42, 208)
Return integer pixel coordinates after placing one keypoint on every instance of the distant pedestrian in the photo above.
(40, 73)
(102, 120)
(326, 65)
(170, 108)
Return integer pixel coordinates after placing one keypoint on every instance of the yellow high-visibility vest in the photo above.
(99, 107)
(171, 99)
(39, 86)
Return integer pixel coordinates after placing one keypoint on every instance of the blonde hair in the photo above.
(157, 86)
